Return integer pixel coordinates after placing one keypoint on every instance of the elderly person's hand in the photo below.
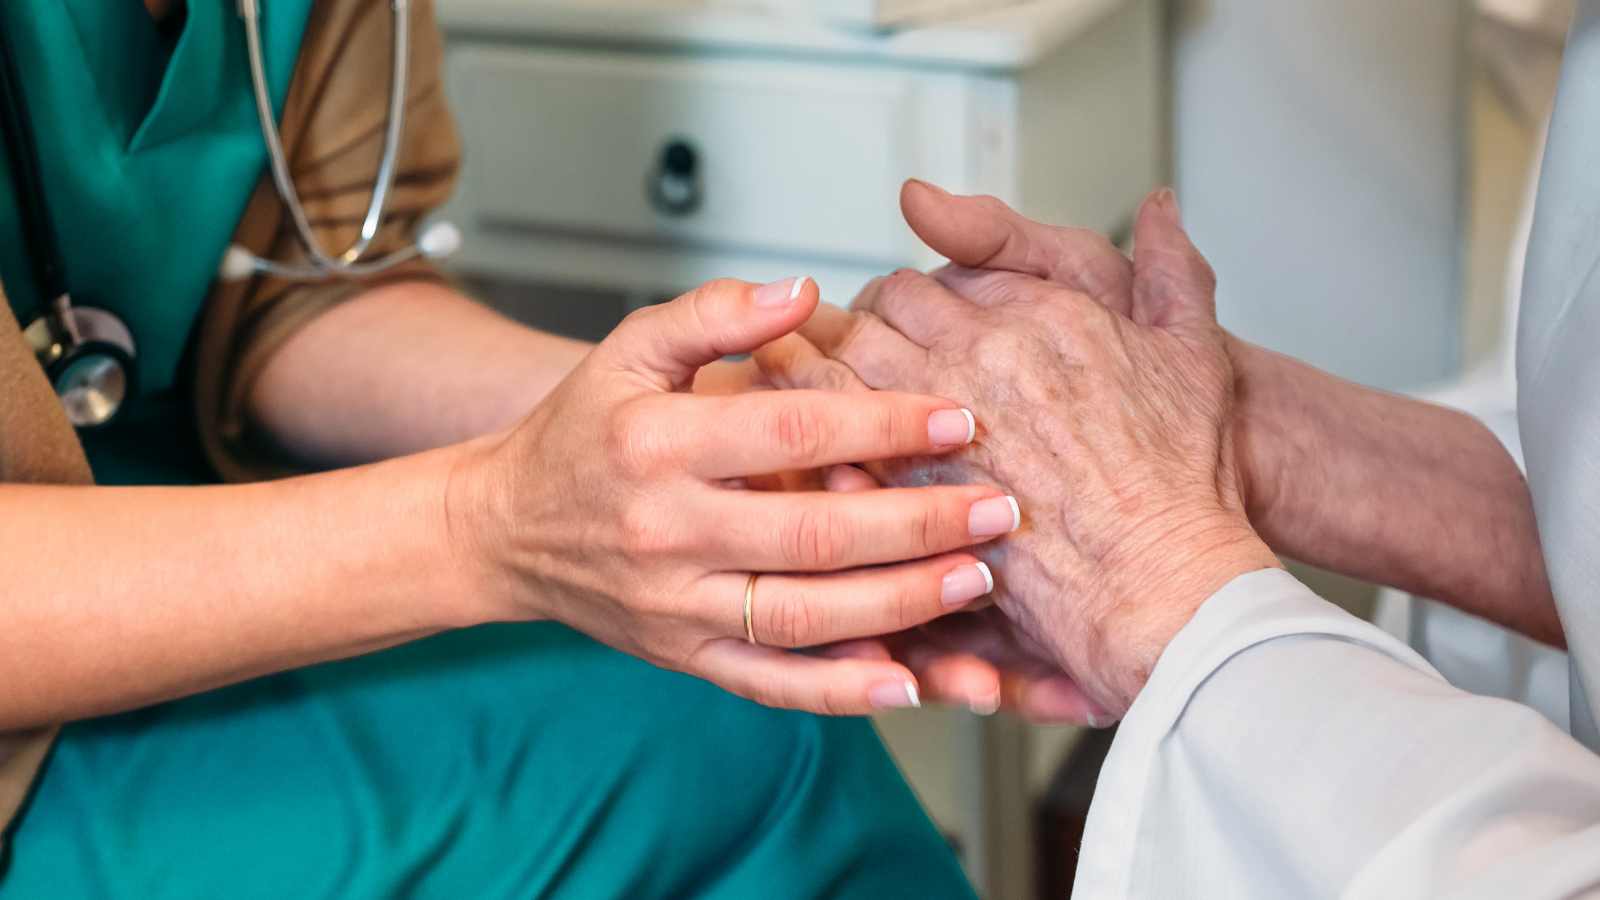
(1381, 487)
(617, 507)
(1111, 430)
(975, 658)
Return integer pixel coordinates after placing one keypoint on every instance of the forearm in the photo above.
(120, 597)
(414, 366)
(403, 368)
(1390, 490)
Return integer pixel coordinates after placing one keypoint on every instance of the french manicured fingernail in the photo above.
(780, 292)
(985, 706)
(967, 583)
(952, 426)
(893, 694)
(997, 515)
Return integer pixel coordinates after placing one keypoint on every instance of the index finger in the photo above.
(758, 433)
(879, 355)
(793, 363)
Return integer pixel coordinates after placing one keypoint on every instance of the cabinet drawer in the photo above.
(772, 156)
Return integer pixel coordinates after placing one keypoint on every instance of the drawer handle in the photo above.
(674, 187)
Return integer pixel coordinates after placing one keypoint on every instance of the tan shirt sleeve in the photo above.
(37, 445)
(333, 132)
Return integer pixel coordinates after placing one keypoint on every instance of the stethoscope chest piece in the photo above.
(88, 354)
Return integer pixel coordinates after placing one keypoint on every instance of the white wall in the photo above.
(1320, 164)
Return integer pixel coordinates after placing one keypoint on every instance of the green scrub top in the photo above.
(149, 146)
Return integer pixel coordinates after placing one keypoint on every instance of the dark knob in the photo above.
(674, 187)
(679, 158)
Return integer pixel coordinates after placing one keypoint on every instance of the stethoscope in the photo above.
(88, 353)
(436, 241)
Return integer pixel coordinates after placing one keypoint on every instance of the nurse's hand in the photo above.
(617, 507)
(1112, 432)
(975, 658)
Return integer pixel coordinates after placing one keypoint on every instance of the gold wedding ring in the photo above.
(749, 601)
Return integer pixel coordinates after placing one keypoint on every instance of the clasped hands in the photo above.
(1100, 388)
(1105, 390)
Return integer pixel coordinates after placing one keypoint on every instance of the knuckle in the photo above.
(832, 375)
(767, 690)
(797, 431)
(931, 528)
(867, 298)
(817, 540)
(647, 532)
(908, 602)
(705, 300)
(634, 335)
(990, 205)
(899, 288)
(639, 447)
(1095, 332)
(888, 421)
(996, 352)
(858, 330)
(791, 620)
(639, 319)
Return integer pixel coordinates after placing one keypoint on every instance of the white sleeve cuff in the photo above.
(1253, 608)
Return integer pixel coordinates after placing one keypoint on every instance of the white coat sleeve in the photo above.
(1283, 748)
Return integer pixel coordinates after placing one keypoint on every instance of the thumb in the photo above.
(1173, 285)
(984, 233)
(668, 343)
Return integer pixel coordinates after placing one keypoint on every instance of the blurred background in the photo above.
(1354, 169)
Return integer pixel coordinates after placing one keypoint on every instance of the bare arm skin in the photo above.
(1391, 490)
(608, 507)
(120, 597)
(1372, 485)
(405, 367)
(413, 366)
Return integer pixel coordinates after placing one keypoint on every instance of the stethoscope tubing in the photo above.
(324, 263)
(40, 231)
(286, 270)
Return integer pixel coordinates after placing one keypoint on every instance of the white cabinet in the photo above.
(647, 147)
(746, 155)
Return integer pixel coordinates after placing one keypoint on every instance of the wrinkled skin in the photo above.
(1104, 406)
(976, 657)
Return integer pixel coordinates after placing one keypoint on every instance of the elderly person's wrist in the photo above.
(1268, 426)
(1253, 445)
(1164, 575)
